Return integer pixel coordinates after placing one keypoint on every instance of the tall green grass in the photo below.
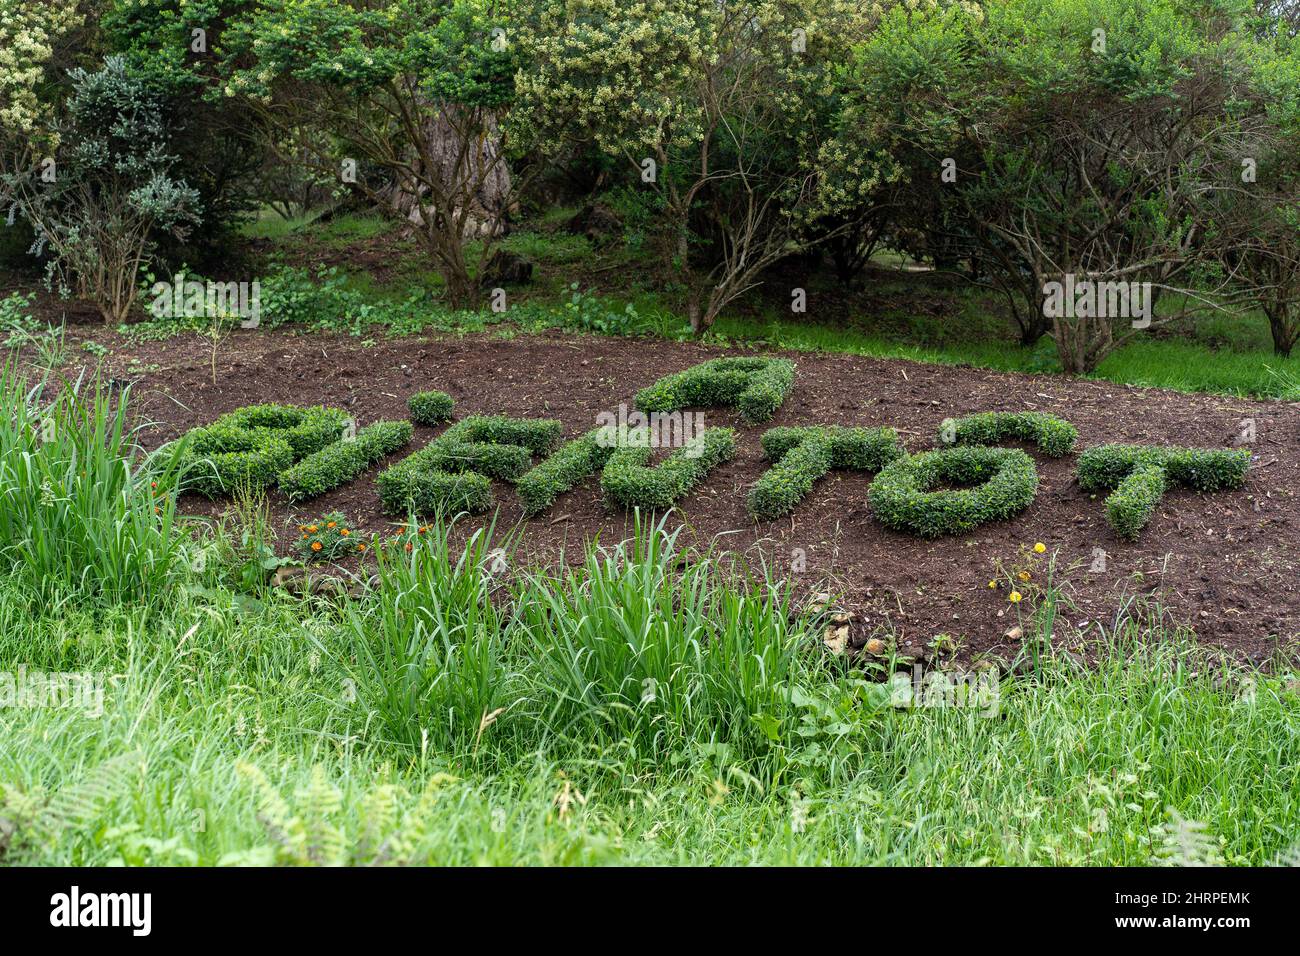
(84, 511)
(425, 652)
(223, 740)
(631, 650)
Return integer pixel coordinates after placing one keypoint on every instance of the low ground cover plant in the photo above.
(1138, 475)
(430, 408)
(249, 447)
(343, 461)
(1054, 437)
(328, 538)
(801, 455)
(902, 496)
(755, 386)
(629, 481)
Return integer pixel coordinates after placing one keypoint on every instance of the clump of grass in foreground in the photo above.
(623, 711)
(84, 511)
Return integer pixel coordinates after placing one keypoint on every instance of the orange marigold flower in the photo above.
(344, 531)
(361, 547)
(331, 524)
(315, 545)
(311, 528)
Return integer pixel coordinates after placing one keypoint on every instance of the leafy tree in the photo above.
(30, 35)
(889, 127)
(708, 105)
(1261, 214)
(110, 188)
(1086, 137)
(220, 147)
(416, 89)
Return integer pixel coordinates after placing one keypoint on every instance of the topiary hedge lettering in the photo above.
(453, 473)
(1054, 437)
(249, 447)
(902, 498)
(1137, 476)
(628, 481)
(430, 408)
(254, 447)
(562, 472)
(801, 456)
(343, 461)
(755, 386)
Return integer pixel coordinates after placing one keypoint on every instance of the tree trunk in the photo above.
(694, 311)
(458, 174)
(1285, 331)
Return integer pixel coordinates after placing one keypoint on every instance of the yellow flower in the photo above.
(993, 584)
(1023, 575)
(1039, 548)
(1014, 597)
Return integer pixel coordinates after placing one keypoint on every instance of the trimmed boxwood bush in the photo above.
(1005, 482)
(507, 462)
(800, 456)
(576, 460)
(453, 472)
(1129, 472)
(249, 447)
(222, 460)
(1054, 437)
(430, 408)
(305, 429)
(343, 461)
(629, 481)
(538, 435)
(411, 486)
(755, 386)
(1130, 506)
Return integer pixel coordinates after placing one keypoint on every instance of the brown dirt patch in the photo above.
(1224, 563)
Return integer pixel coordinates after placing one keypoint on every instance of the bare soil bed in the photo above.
(1224, 564)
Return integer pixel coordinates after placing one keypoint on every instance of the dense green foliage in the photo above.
(452, 473)
(86, 514)
(1137, 475)
(247, 449)
(1005, 482)
(338, 463)
(755, 386)
(496, 722)
(629, 481)
(430, 408)
(1052, 436)
(562, 471)
(801, 455)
